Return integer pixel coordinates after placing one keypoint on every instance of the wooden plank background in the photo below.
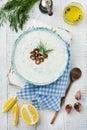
(78, 59)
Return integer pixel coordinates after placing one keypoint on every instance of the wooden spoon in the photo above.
(75, 74)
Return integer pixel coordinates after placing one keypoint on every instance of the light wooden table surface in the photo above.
(78, 59)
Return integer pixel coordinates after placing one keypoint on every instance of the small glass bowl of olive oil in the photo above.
(73, 13)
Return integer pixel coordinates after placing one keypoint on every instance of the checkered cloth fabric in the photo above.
(48, 96)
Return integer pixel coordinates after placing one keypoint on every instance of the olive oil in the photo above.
(73, 13)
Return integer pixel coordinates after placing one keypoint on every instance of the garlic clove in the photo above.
(78, 106)
(78, 95)
(68, 108)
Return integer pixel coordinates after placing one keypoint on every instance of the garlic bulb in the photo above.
(78, 106)
(78, 95)
(68, 108)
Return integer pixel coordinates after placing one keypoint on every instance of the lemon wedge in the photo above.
(29, 114)
(15, 114)
(9, 104)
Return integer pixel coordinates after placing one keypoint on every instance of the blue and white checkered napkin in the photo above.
(48, 96)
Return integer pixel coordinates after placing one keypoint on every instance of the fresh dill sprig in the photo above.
(48, 51)
(42, 47)
(16, 12)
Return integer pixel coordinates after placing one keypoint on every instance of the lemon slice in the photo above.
(29, 114)
(9, 104)
(15, 114)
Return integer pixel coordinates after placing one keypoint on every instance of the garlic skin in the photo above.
(78, 107)
(78, 95)
(68, 108)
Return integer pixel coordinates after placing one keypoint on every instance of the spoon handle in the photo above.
(68, 88)
(54, 117)
(62, 102)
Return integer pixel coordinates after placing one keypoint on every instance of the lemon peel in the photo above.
(9, 104)
(15, 114)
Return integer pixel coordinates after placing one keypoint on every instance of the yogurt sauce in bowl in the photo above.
(48, 71)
